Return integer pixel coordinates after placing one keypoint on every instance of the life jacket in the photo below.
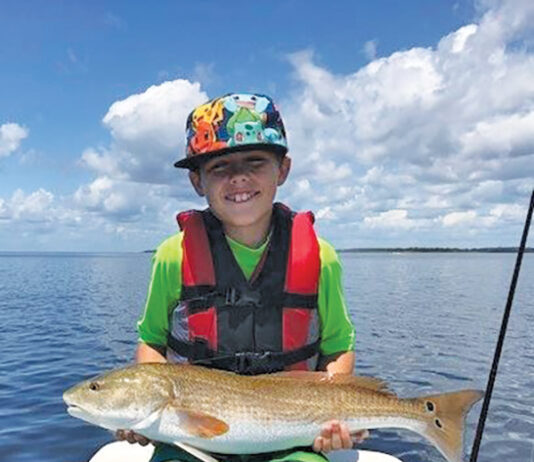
(268, 323)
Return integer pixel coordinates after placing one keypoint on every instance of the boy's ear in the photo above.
(194, 178)
(285, 167)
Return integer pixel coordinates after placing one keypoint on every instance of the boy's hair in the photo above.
(232, 123)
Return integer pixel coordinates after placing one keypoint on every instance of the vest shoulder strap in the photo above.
(303, 263)
(197, 262)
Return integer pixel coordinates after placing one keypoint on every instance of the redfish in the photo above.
(224, 412)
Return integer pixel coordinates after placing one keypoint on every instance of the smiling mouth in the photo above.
(241, 197)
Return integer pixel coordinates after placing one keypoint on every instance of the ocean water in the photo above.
(425, 323)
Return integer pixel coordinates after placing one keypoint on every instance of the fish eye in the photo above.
(94, 386)
(430, 406)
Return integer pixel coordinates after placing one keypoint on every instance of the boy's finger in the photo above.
(359, 436)
(142, 440)
(318, 444)
(336, 442)
(346, 440)
(326, 431)
(327, 445)
(130, 437)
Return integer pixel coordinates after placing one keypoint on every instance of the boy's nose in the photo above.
(238, 177)
(238, 172)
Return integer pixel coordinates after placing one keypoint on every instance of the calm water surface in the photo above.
(425, 323)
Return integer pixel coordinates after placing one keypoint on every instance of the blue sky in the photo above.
(410, 123)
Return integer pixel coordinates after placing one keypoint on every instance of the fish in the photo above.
(223, 412)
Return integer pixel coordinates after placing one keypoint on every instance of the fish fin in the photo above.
(445, 415)
(197, 423)
(147, 421)
(200, 455)
(357, 381)
(203, 425)
(312, 376)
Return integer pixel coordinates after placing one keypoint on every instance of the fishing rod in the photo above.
(500, 341)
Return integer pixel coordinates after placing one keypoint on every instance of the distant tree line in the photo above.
(436, 249)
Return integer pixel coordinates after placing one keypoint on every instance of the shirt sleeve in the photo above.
(337, 330)
(163, 292)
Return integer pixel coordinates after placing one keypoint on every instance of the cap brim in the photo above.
(197, 160)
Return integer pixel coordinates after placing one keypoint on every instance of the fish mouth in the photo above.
(82, 414)
(76, 411)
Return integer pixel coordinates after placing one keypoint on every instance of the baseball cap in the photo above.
(230, 123)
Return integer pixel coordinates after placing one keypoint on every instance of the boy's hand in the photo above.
(131, 437)
(335, 435)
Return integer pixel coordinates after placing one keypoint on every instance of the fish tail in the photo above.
(445, 415)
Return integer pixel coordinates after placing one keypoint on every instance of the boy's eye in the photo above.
(217, 167)
(256, 162)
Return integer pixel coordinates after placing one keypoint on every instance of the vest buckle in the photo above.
(231, 296)
(234, 297)
(251, 363)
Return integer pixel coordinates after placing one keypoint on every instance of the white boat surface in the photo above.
(122, 451)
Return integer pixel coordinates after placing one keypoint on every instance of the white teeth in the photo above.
(240, 197)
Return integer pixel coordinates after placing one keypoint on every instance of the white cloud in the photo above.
(135, 178)
(325, 213)
(38, 208)
(460, 38)
(32, 206)
(459, 218)
(513, 212)
(3, 210)
(396, 219)
(148, 132)
(369, 49)
(503, 136)
(426, 144)
(440, 135)
(103, 162)
(11, 135)
(120, 200)
(155, 116)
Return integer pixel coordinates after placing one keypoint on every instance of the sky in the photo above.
(409, 123)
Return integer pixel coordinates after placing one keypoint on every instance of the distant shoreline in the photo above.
(436, 250)
(425, 250)
(14, 253)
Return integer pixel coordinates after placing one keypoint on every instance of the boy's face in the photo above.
(240, 187)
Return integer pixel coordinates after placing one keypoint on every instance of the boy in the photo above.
(246, 286)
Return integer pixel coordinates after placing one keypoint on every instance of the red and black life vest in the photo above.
(268, 323)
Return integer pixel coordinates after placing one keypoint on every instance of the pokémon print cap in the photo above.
(230, 123)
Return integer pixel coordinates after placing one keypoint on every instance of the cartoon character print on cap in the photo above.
(211, 112)
(246, 126)
(231, 121)
(204, 139)
(204, 122)
(252, 102)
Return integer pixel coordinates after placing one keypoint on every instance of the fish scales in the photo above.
(266, 398)
(228, 413)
